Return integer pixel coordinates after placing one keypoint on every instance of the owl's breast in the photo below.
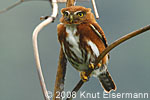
(73, 41)
(72, 48)
(79, 51)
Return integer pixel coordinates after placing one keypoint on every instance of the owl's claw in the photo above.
(84, 77)
(91, 66)
(99, 65)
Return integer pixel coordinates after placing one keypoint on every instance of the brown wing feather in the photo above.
(61, 32)
(101, 32)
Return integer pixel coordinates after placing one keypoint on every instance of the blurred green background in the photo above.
(129, 64)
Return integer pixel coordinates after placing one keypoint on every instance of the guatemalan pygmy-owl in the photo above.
(82, 40)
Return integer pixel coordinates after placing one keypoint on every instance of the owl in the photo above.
(82, 41)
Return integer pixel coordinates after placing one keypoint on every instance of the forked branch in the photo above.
(108, 49)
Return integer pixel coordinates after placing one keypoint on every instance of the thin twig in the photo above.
(16, 4)
(21, 1)
(95, 9)
(12, 6)
(108, 49)
(35, 47)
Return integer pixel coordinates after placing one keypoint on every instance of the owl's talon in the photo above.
(84, 77)
(99, 65)
(92, 66)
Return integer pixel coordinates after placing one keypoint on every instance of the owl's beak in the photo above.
(71, 18)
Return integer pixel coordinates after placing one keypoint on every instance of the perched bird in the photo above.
(82, 41)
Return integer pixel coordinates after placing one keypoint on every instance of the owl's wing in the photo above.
(98, 30)
(60, 32)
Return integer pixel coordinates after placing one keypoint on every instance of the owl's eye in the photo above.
(65, 13)
(80, 14)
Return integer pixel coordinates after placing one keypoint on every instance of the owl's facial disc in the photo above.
(73, 17)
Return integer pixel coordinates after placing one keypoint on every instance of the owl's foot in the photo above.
(91, 66)
(84, 77)
(99, 65)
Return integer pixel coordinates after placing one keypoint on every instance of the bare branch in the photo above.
(35, 47)
(36, 54)
(95, 9)
(109, 48)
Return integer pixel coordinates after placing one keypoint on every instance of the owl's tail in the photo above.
(107, 82)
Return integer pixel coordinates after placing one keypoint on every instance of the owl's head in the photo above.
(76, 15)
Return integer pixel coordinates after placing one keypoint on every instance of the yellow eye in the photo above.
(80, 14)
